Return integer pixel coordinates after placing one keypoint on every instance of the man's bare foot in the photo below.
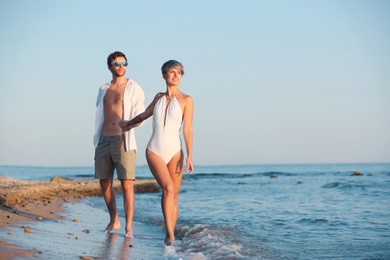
(112, 226)
(129, 233)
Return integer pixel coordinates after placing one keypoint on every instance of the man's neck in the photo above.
(118, 80)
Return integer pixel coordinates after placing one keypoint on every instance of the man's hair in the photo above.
(172, 64)
(113, 56)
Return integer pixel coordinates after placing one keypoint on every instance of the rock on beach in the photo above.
(16, 193)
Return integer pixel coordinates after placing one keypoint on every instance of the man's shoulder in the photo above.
(131, 84)
(105, 86)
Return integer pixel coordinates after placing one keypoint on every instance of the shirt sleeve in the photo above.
(102, 91)
(139, 100)
(98, 97)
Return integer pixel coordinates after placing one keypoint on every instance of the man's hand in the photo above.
(123, 123)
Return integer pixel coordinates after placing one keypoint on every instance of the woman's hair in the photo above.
(113, 56)
(172, 64)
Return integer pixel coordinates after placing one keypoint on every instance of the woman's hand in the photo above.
(190, 166)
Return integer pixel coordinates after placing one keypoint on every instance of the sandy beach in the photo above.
(25, 202)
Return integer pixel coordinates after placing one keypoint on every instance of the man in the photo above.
(115, 148)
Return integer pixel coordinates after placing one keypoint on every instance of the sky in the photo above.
(273, 82)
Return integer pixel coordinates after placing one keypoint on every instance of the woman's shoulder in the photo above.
(183, 95)
(158, 96)
(186, 97)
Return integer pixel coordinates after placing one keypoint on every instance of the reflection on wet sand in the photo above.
(116, 247)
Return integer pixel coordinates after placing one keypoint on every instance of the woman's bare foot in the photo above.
(112, 226)
(168, 241)
(129, 233)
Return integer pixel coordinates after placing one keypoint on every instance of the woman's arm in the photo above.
(129, 124)
(187, 131)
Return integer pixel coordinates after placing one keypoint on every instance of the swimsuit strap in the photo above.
(170, 98)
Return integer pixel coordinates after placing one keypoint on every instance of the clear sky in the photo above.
(273, 82)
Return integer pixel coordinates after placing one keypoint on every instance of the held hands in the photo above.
(124, 126)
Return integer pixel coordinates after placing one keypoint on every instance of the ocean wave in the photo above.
(343, 185)
(211, 175)
(313, 221)
(237, 175)
(201, 241)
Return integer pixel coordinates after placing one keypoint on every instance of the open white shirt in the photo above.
(133, 105)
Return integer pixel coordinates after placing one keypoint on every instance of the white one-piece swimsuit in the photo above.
(165, 140)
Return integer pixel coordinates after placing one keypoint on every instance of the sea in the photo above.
(285, 211)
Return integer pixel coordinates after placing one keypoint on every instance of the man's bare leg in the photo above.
(128, 202)
(109, 197)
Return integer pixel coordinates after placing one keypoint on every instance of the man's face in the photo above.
(117, 66)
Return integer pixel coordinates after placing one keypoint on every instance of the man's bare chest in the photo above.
(113, 97)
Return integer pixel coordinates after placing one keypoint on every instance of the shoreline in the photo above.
(27, 201)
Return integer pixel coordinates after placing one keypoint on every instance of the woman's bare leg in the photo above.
(175, 168)
(160, 172)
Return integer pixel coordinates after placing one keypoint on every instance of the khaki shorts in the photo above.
(110, 155)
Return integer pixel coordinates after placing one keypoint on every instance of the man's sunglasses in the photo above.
(117, 63)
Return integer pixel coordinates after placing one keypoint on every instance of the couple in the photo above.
(120, 108)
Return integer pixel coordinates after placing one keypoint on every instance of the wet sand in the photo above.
(29, 208)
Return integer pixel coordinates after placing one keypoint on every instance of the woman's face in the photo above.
(173, 76)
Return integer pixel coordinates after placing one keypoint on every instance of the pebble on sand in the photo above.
(27, 230)
(85, 258)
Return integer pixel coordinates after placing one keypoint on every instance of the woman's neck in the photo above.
(172, 92)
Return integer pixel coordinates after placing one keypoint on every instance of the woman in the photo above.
(171, 110)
